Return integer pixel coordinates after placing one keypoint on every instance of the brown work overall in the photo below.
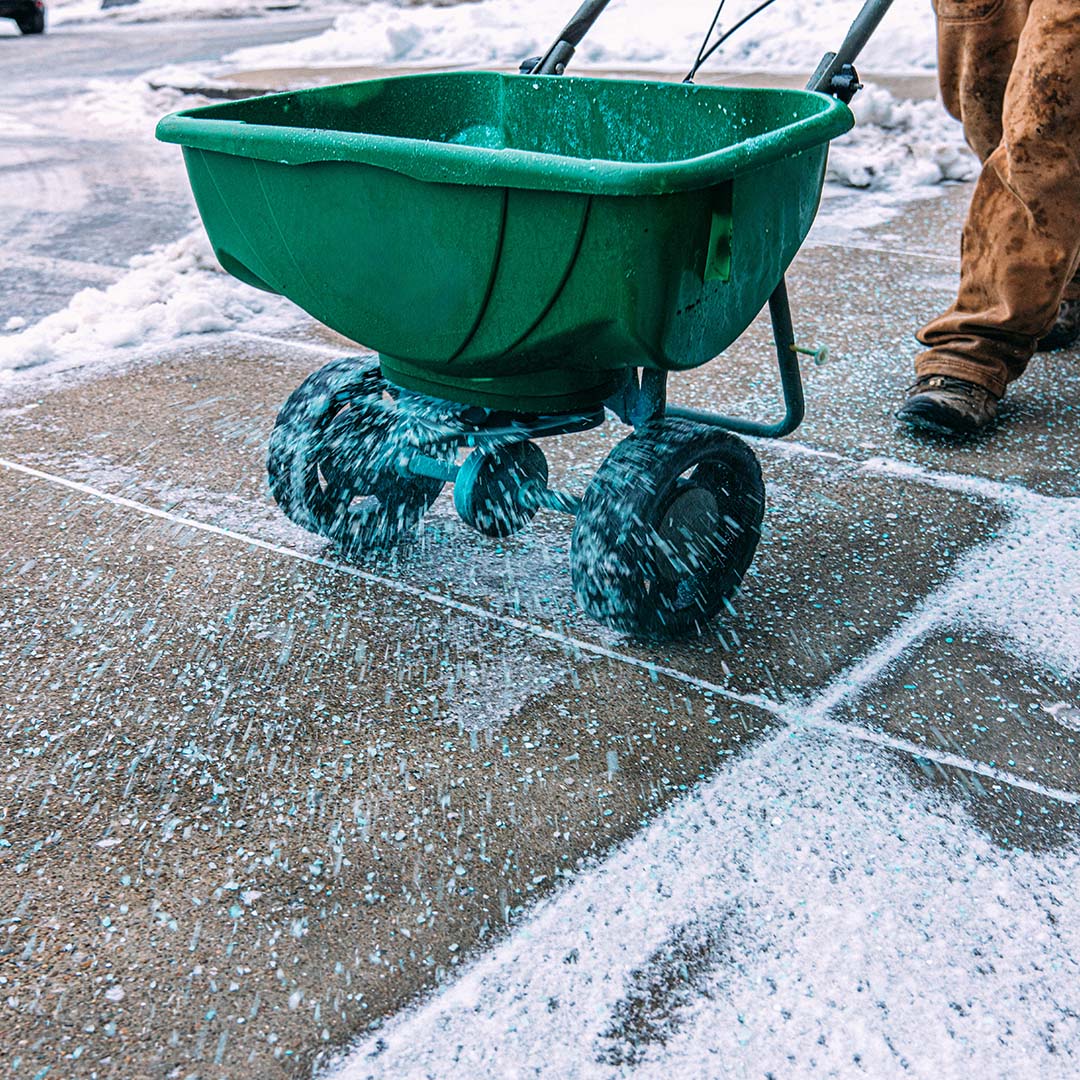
(1010, 70)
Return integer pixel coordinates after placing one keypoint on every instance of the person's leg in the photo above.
(1021, 243)
(977, 43)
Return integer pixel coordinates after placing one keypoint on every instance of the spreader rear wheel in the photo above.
(667, 529)
(333, 461)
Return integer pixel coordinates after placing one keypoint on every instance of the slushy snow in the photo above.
(793, 35)
(175, 291)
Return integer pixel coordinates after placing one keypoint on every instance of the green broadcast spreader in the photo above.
(526, 253)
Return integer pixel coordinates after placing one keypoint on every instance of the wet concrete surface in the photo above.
(215, 415)
(233, 761)
(253, 802)
(252, 806)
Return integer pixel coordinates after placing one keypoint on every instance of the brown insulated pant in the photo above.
(1010, 70)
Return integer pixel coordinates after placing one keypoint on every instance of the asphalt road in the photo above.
(60, 60)
(83, 185)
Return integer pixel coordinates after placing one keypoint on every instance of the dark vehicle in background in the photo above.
(29, 15)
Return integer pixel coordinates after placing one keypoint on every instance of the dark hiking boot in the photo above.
(1066, 331)
(948, 406)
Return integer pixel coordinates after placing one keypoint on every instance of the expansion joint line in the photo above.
(815, 715)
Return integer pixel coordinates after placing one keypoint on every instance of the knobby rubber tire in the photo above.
(636, 566)
(332, 447)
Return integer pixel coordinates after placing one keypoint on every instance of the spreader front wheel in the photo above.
(333, 461)
(667, 529)
(491, 490)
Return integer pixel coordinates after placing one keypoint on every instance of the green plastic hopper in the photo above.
(515, 241)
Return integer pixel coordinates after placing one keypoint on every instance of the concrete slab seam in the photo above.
(299, 346)
(902, 253)
(938, 757)
(813, 715)
(1014, 496)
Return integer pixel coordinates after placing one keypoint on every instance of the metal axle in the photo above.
(532, 495)
(535, 495)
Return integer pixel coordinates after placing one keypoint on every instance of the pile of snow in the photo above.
(174, 291)
(134, 106)
(900, 145)
(791, 36)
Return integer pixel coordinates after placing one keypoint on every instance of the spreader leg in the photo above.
(643, 397)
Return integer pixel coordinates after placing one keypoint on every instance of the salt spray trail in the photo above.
(789, 911)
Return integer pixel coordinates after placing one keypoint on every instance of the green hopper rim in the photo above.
(507, 168)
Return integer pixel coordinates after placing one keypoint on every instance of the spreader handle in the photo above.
(559, 55)
(862, 30)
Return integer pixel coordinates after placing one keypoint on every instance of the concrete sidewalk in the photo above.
(256, 800)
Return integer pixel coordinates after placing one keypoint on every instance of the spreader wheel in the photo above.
(333, 460)
(488, 490)
(667, 529)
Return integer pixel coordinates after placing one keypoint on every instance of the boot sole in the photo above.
(923, 421)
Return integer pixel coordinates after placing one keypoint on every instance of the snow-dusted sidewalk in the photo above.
(836, 838)
(419, 817)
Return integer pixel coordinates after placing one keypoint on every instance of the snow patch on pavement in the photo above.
(789, 913)
(483, 692)
(1024, 585)
(17, 127)
(899, 151)
(173, 292)
(1027, 591)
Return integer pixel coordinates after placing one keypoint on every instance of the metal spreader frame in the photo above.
(644, 396)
